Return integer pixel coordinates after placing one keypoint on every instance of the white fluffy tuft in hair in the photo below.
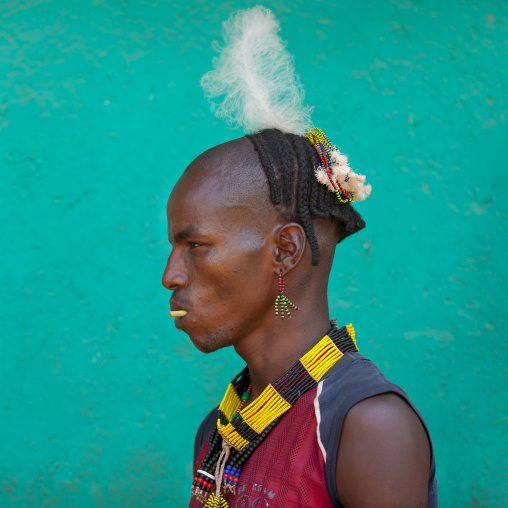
(256, 74)
(345, 176)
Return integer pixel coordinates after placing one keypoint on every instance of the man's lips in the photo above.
(177, 313)
(177, 309)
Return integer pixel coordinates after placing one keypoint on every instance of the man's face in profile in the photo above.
(220, 267)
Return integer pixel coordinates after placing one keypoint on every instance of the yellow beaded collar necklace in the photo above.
(240, 430)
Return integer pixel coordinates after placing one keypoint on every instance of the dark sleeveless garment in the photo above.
(295, 465)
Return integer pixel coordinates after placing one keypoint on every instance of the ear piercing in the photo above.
(283, 300)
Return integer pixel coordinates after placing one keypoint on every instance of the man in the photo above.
(249, 226)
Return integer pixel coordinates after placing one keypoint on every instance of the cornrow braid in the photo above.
(303, 197)
(290, 162)
(275, 193)
(277, 142)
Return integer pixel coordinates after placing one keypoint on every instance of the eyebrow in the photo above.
(185, 233)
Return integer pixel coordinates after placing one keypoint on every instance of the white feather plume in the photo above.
(256, 75)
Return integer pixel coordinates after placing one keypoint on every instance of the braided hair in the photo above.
(289, 162)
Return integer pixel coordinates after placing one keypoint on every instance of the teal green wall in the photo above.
(101, 110)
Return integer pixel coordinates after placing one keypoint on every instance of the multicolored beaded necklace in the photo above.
(240, 430)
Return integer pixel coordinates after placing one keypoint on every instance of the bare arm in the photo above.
(383, 459)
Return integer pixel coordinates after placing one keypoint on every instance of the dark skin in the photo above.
(229, 244)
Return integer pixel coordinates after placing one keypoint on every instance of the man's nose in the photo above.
(174, 276)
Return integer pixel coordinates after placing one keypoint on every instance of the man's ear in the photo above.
(290, 242)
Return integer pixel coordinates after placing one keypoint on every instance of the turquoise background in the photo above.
(101, 110)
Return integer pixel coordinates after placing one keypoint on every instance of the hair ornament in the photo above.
(335, 171)
(255, 75)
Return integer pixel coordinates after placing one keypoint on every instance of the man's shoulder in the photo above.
(384, 456)
(355, 377)
(351, 380)
(355, 387)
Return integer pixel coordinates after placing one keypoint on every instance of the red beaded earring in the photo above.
(283, 300)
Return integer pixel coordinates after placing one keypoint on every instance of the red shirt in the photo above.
(287, 469)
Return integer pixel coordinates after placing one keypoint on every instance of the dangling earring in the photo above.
(283, 300)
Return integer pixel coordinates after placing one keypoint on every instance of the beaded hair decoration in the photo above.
(240, 430)
(256, 76)
(335, 171)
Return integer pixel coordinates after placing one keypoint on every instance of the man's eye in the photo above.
(193, 245)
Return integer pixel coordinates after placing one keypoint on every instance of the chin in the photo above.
(211, 341)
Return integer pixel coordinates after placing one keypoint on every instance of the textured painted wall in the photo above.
(100, 111)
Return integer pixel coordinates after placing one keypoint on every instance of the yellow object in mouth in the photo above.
(178, 313)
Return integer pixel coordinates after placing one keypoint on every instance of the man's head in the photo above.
(242, 212)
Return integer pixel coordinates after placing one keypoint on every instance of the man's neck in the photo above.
(273, 349)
